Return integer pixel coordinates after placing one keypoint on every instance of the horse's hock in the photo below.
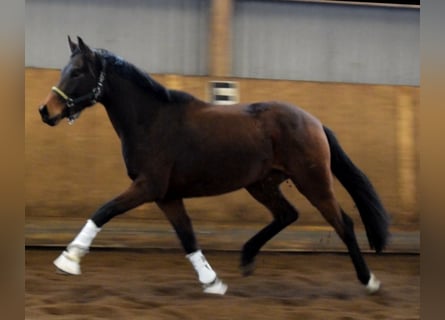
(70, 172)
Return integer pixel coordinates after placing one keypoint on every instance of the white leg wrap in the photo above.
(86, 235)
(373, 284)
(207, 276)
(202, 267)
(69, 261)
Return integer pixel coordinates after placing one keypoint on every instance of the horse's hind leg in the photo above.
(178, 217)
(267, 192)
(317, 185)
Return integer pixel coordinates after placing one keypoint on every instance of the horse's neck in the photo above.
(129, 107)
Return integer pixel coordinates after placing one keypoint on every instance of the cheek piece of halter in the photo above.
(74, 106)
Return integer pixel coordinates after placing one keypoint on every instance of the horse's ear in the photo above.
(84, 48)
(73, 46)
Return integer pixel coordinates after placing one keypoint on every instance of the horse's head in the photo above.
(80, 85)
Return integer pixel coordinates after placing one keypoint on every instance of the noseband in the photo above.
(75, 105)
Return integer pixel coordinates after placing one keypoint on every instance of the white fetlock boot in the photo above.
(373, 284)
(210, 281)
(69, 261)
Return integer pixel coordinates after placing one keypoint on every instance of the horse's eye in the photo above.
(75, 74)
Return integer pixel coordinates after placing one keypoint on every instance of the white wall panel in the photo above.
(326, 42)
(159, 36)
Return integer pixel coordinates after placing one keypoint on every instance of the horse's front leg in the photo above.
(69, 261)
(178, 217)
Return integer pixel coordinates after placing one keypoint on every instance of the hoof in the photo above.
(215, 287)
(247, 269)
(67, 265)
(373, 284)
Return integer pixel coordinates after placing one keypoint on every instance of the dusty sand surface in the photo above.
(153, 284)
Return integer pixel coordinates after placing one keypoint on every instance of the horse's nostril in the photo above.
(52, 121)
(44, 111)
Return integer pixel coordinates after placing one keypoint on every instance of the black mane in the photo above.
(141, 78)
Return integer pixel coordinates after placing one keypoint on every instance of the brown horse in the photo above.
(176, 146)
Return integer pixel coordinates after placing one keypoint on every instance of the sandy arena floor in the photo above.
(153, 284)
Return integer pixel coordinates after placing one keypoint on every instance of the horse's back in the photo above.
(259, 126)
(277, 111)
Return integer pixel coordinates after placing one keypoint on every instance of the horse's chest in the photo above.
(133, 168)
(135, 160)
(146, 160)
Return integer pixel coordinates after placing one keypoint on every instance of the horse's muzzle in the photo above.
(51, 121)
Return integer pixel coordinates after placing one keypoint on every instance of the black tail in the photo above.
(374, 216)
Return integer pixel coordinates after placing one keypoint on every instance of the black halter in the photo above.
(74, 106)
